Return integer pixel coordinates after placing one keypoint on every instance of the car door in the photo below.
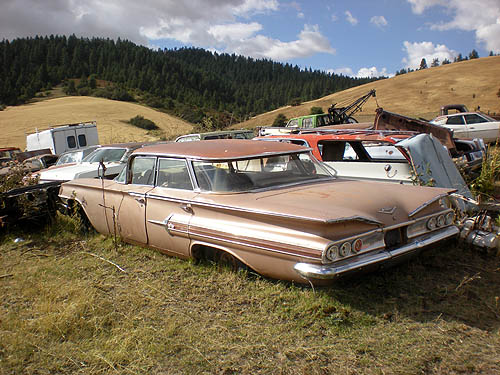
(169, 210)
(479, 127)
(124, 203)
(459, 127)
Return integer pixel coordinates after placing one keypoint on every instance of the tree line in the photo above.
(190, 82)
(435, 62)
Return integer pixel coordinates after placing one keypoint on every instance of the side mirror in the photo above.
(101, 170)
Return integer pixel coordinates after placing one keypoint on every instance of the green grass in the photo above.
(81, 305)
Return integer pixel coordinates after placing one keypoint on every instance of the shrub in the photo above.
(143, 123)
(280, 120)
(316, 111)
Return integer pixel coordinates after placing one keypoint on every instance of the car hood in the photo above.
(70, 172)
(381, 204)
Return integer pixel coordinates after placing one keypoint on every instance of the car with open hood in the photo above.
(268, 206)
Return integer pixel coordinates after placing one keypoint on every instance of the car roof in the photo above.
(221, 149)
(347, 135)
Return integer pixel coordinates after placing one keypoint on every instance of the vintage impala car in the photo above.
(269, 206)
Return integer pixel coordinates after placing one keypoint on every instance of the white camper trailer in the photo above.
(64, 137)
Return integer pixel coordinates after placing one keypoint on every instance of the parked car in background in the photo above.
(113, 158)
(70, 157)
(222, 134)
(8, 153)
(373, 154)
(268, 206)
(470, 125)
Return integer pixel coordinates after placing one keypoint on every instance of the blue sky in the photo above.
(356, 38)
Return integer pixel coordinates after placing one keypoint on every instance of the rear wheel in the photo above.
(219, 257)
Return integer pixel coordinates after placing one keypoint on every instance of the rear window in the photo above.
(71, 140)
(82, 140)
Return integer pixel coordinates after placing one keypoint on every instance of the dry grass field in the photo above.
(417, 94)
(15, 122)
(74, 304)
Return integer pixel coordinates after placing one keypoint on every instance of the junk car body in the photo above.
(377, 155)
(268, 205)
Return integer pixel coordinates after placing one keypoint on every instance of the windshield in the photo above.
(71, 157)
(106, 155)
(258, 173)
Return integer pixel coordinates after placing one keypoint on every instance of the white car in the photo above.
(113, 158)
(470, 125)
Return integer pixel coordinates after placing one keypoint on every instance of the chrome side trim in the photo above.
(422, 206)
(246, 244)
(259, 212)
(317, 271)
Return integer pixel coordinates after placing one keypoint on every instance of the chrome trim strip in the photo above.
(317, 271)
(422, 206)
(135, 194)
(246, 244)
(258, 212)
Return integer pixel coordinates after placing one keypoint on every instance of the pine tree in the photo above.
(423, 64)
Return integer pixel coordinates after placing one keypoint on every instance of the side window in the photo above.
(307, 123)
(142, 170)
(71, 141)
(333, 151)
(293, 123)
(455, 120)
(320, 120)
(173, 174)
(474, 119)
(82, 140)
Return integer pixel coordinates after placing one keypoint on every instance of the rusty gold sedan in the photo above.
(268, 206)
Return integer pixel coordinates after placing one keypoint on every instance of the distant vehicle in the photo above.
(64, 138)
(32, 164)
(338, 117)
(77, 156)
(113, 158)
(223, 134)
(470, 125)
(8, 153)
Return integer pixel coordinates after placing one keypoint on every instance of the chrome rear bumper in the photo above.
(330, 271)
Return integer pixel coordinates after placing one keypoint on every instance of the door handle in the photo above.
(140, 200)
(186, 207)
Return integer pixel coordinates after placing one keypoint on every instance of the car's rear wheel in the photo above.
(219, 257)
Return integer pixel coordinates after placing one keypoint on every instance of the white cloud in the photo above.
(379, 21)
(372, 72)
(300, 15)
(425, 50)
(349, 17)
(234, 31)
(310, 41)
(221, 25)
(479, 16)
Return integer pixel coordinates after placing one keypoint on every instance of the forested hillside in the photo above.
(189, 82)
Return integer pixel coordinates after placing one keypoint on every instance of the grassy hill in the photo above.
(417, 94)
(110, 115)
